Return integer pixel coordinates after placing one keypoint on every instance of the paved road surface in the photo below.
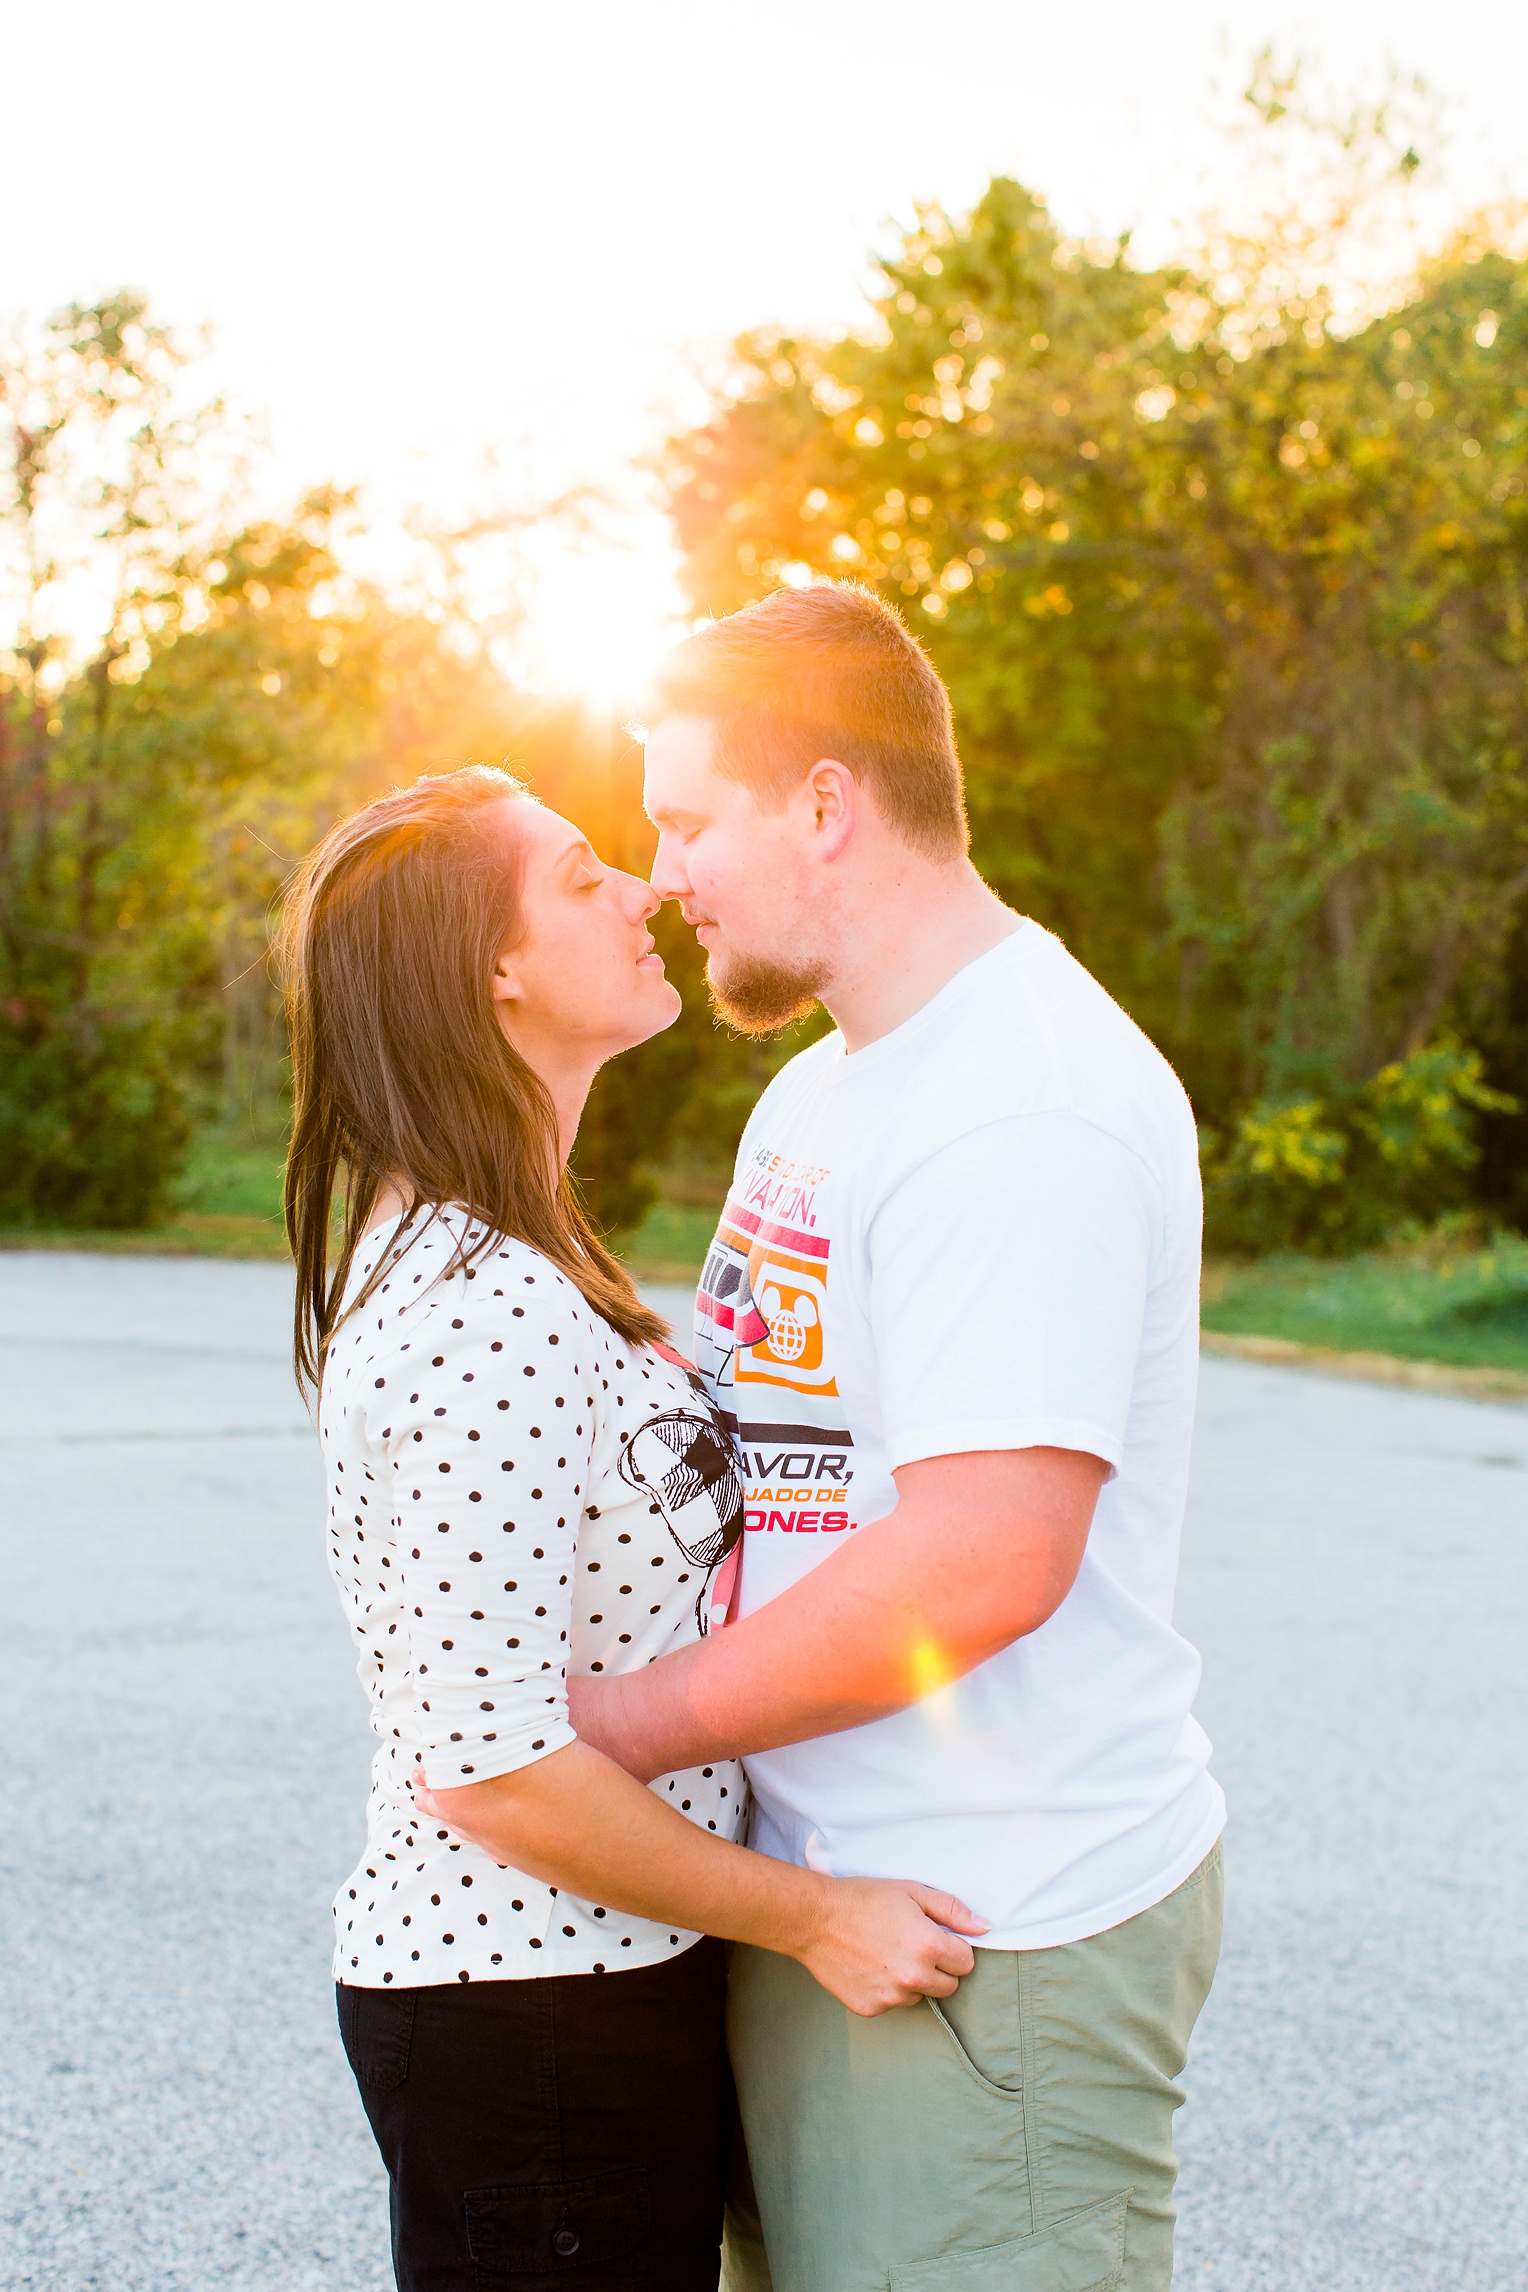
(188, 1753)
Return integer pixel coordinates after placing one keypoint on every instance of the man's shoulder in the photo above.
(1037, 1034)
(796, 1081)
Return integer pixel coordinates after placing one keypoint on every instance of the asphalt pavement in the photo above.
(188, 1749)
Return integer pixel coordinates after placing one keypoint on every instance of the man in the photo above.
(951, 1311)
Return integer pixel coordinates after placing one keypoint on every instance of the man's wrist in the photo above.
(626, 1724)
(652, 1717)
(643, 1719)
(619, 1735)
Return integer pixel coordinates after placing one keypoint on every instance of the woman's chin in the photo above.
(660, 1007)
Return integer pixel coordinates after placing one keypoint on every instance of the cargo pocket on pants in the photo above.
(590, 2231)
(1083, 2253)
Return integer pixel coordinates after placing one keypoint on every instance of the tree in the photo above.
(976, 457)
(185, 705)
(1228, 585)
(101, 492)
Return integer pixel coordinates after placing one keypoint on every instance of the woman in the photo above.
(524, 1480)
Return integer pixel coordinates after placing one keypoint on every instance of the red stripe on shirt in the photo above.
(783, 1237)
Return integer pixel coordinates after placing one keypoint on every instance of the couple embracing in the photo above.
(808, 1723)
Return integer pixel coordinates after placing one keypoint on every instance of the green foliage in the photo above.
(1338, 1175)
(1228, 576)
(91, 1122)
(231, 1172)
(98, 964)
(672, 1240)
(1417, 1110)
(942, 461)
(1501, 1028)
(225, 1203)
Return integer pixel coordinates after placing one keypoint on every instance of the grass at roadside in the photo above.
(227, 1203)
(1446, 1298)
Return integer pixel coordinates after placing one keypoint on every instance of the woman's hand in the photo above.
(884, 1942)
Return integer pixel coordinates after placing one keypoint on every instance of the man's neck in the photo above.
(925, 929)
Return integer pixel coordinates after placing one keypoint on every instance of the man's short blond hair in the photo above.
(828, 671)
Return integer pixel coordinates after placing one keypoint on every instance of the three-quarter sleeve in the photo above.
(487, 1422)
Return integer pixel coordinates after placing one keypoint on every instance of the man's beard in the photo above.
(758, 997)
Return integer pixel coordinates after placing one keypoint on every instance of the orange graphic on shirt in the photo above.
(790, 1295)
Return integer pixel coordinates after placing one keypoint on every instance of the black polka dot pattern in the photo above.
(478, 1563)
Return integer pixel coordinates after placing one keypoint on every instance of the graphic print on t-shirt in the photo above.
(760, 1310)
(762, 1344)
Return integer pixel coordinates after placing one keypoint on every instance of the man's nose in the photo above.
(669, 877)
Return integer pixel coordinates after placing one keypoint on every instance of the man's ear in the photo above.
(835, 799)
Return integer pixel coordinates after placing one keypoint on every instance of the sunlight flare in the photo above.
(602, 616)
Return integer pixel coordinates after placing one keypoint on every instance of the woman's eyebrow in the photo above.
(582, 850)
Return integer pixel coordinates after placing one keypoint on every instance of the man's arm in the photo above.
(980, 1550)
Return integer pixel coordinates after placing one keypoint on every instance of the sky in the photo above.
(425, 236)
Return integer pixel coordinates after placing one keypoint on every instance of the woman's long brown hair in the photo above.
(400, 1070)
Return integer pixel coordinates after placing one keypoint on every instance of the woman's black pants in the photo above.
(572, 2131)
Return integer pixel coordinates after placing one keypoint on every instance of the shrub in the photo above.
(93, 1126)
(1341, 1174)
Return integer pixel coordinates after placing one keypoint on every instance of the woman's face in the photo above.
(583, 980)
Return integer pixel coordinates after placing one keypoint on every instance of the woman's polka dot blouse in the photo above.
(514, 1490)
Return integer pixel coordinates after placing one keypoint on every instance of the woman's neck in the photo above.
(569, 1094)
(566, 1079)
(391, 1203)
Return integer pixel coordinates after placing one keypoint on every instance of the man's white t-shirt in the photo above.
(980, 1232)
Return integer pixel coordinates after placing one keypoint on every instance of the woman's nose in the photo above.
(639, 898)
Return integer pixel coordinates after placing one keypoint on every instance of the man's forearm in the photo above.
(693, 1708)
(832, 1653)
(913, 1602)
